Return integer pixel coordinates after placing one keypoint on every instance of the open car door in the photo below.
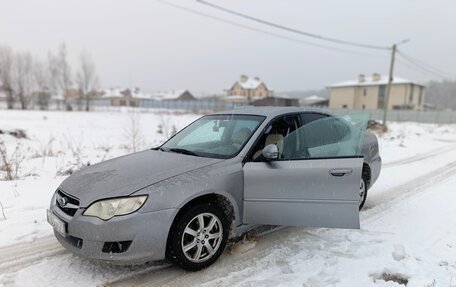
(315, 179)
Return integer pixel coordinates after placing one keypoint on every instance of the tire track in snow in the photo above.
(19, 256)
(383, 201)
(420, 157)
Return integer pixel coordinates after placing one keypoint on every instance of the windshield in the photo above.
(219, 136)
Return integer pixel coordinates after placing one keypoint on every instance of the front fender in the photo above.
(225, 179)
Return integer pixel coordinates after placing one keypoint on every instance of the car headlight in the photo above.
(108, 208)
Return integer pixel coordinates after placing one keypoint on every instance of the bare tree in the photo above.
(53, 72)
(87, 79)
(65, 78)
(6, 74)
(133, 133)
(41, 77)
(60, 74)
(23, 81)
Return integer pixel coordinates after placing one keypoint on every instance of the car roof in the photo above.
(270, 111)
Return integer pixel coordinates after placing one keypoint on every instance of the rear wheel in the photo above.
(362, 192)
(198, 237)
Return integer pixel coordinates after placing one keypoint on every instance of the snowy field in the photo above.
(407, 235)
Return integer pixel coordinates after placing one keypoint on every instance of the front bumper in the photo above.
(145, 233)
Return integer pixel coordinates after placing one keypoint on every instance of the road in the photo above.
(419, 174)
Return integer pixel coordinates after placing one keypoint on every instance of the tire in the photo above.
(362, 192)
(192, 247)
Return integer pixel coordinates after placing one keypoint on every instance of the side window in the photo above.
(310, 117)
(281, 132)
(328, 137)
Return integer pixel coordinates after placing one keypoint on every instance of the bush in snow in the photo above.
(10, 163)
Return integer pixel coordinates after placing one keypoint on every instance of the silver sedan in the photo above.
(214, 179)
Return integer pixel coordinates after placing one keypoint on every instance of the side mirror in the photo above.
(271, 152)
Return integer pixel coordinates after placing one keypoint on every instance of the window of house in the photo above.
(365, 92)
(411, 94)
(344, 106)
(364, 107)
(381, 96)
(420, 99)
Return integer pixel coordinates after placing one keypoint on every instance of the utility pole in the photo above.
(390, 80)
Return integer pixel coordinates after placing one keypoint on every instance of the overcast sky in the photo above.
(154, 46)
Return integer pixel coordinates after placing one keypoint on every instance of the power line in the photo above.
(414, 68)
(423, 66)
(419, 68)
(265, 32)
(293, 30)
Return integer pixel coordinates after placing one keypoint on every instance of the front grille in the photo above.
(68, 204)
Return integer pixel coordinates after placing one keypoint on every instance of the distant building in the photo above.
(178, 95)
(278, 101)
(247, 90)
(315, 101)
(118, 97)
(3, 93)
(369, 93)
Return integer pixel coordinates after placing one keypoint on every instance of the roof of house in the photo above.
(117, 93)
(313, 99)
(168, 95)
(251, 83)
(369, 81)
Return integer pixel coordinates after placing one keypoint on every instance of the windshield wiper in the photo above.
(182, 151)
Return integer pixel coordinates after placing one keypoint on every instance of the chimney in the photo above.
(257, 79)
(361, 78)
(244, 78)
(376, 77)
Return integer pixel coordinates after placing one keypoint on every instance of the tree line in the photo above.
(31, 81)
(442, 94)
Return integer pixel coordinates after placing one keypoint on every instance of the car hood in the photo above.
(125, 175)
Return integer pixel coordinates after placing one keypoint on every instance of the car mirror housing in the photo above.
(271, 152)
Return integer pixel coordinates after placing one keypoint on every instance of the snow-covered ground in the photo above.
(408, 227)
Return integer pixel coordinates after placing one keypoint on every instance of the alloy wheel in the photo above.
(202, 237)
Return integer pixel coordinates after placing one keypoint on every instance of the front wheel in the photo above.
(199, 237)
(362, 192)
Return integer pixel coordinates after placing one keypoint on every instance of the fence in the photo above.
(196, 105)
(436, 117)
(206, 106)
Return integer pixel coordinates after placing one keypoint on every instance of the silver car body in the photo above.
(298, 192)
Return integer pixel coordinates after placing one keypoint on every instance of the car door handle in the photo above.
(340, 171)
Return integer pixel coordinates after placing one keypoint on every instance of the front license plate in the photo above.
(58, 224)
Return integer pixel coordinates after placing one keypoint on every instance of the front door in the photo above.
(315, 179)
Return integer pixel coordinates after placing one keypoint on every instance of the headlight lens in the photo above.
(107, 209)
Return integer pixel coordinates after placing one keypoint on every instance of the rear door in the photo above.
(314, 182)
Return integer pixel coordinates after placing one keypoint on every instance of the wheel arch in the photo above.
(222, 199)
(367, 174)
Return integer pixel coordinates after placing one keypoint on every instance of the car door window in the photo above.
(280, 132)
(327, 136)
